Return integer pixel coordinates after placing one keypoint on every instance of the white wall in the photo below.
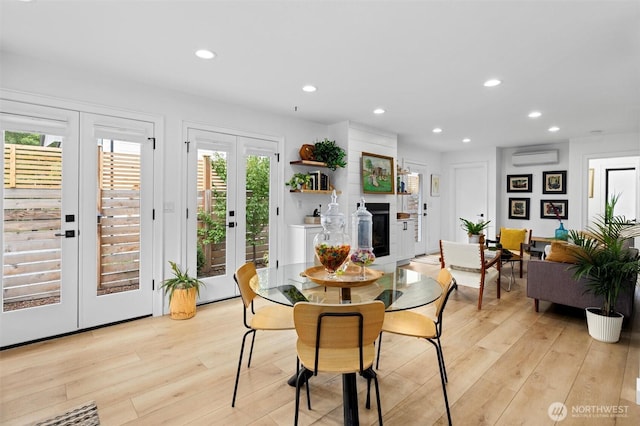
(540, 227)
(584, 149)
(59, 84)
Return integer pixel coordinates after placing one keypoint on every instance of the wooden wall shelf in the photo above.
(308, 163)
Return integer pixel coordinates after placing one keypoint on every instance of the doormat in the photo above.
(87, 415)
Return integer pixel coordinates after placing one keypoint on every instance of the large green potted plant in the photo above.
(328, 152)
(474, 229)
(183, 291)
(609, 266)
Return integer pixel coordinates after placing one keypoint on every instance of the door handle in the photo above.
(66, 234)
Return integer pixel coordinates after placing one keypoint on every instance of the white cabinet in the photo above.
(405, 236)
(301, 242)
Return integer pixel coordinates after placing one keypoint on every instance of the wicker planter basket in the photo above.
(183, 304)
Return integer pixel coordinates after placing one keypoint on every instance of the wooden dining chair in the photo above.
(338, 339)
(414, 324)
(272, 317)
(467, 264)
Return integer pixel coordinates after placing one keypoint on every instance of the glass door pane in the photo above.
(32, 220)
(259, 171)
(118, 224)
(212, 213)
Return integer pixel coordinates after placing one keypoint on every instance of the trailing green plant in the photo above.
(299, 179)
(328, 152)
(603, 258)
(474, 228)
(181, 281)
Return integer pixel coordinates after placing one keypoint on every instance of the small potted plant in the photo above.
(183, 291)
(609, 266)
(299, 180)
(474, 230)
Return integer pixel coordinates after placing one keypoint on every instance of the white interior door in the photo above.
(471, 205)
(116, 193)
(416, 204)
(39, 226)
(231, 207)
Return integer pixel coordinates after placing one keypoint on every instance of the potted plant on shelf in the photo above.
(328, 152)
(183, 290)
(299, 180)
(474, 230)
(609, 266)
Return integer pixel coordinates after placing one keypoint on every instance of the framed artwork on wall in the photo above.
(519, 183)
(554, 209)
(377, 174)
(435, 185)
(554, 182)
(519, 208)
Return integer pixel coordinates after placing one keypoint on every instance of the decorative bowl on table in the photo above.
(349, 278)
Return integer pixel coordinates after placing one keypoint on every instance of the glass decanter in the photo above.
(362, 237)
(332, 245)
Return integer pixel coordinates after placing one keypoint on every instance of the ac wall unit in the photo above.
(535, 157)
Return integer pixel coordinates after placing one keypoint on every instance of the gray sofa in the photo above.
(554, 282)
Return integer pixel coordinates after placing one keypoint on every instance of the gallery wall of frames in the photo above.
(553, 183)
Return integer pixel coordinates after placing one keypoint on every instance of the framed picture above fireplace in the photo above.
(377, 174)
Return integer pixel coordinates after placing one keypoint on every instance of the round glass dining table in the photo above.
(398, 288)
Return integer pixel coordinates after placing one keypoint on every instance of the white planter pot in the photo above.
(603, 328)
(474, 239)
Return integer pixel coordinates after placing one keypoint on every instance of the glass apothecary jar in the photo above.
(362, 237)
(332, 245)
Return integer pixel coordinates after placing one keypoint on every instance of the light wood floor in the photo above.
(506, 365)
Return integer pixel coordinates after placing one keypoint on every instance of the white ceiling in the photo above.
(578, 62)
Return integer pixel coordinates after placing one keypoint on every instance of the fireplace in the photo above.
(380, 213)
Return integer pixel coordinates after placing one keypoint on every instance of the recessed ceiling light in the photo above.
(466, 140)
(492, 83)
(554, 128)
(378, 111)
(205, 54)
(535, 114)
(309, 88)
(437, 130)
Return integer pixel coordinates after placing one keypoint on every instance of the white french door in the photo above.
(39, 226)
(77, 220)
(231, 207)
(116, 226)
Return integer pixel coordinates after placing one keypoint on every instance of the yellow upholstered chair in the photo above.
(414, 324)
(467, 264)
(338, 339)
(513, 240)
(272, 317)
